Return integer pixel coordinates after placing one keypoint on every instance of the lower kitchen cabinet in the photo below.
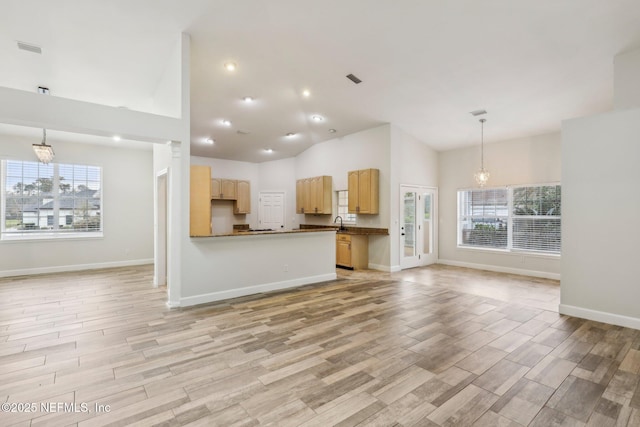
(352, 251)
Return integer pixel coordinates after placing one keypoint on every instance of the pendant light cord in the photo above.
(482, 143)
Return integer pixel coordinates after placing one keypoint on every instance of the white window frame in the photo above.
(510, 217)
(347, 218)
(43, 235)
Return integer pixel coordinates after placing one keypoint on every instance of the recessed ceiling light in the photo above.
(290, 134)
(230, 66)
(332, 131)
(317, 118)
(248, 99)
(268, 150)
(226, 122)
(116, 137)
(210, 141)
(306, 93)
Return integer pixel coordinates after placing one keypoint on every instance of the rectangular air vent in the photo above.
(29, 47)
(478, 112)
(354, 79)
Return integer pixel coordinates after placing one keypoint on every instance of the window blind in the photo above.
(484, 217)
(522, 218)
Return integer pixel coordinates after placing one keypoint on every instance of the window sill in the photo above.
(44, 237)
(509, 252)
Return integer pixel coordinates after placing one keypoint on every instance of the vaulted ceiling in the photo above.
(424, 65)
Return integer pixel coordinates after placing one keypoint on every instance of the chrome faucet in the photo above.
(336, 220)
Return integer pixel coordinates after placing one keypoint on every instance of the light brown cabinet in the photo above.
(352, 251)
(364, 189)
(200, 201)
(242, 205)
(223, 189)
(313, 195)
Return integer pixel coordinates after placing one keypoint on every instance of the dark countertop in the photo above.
(361, 231)
(255, 233)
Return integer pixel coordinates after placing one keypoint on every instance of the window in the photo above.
(49, 200)
(343, 208)
(522, 218)
(536, 218)
(483, 217)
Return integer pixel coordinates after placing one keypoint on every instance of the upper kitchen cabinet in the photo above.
(200, 201)
(313, 195)
(364, 191)
(242, 205)
(223, 189)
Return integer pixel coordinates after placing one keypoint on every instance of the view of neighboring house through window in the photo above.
(343, 208)
(50, 199)
(522, 218)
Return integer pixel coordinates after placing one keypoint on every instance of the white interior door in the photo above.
(271, 210)
(160, 264)
(417, 226)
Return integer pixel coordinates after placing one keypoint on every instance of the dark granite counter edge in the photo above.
(255, 233)
(368, 231)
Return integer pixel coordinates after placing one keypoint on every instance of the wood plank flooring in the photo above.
(436, 346)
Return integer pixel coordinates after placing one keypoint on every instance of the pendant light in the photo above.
(482, 176)
(43, 151)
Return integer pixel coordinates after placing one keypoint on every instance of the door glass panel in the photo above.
(426, 223)
(409, 224)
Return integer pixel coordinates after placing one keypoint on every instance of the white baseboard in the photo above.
(76, 267)
(498, 269)
(385, 268)
(599, 316)
(249, 290)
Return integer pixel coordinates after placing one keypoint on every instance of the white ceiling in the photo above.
(424, 64)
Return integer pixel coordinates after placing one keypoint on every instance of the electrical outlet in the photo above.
(286, 268)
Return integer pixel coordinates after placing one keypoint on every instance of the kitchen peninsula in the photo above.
(254, 262)
(251, 262)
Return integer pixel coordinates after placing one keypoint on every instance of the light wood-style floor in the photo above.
(433, 346)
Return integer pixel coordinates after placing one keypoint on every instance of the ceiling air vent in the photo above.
(243, 132)
(478, 112)
(354, 79)
(29, 47)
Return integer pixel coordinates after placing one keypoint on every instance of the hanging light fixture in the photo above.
(482, 176)
(43, 151)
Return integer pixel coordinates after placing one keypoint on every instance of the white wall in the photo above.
(533, 160)
(127, 212)
(412, 163)
(222, 215)
(167, 97)
(626, 85)
(227, 267)
(280, 175)
(361, 150)
(600, 206)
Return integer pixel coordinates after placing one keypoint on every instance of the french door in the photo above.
(418, 239)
